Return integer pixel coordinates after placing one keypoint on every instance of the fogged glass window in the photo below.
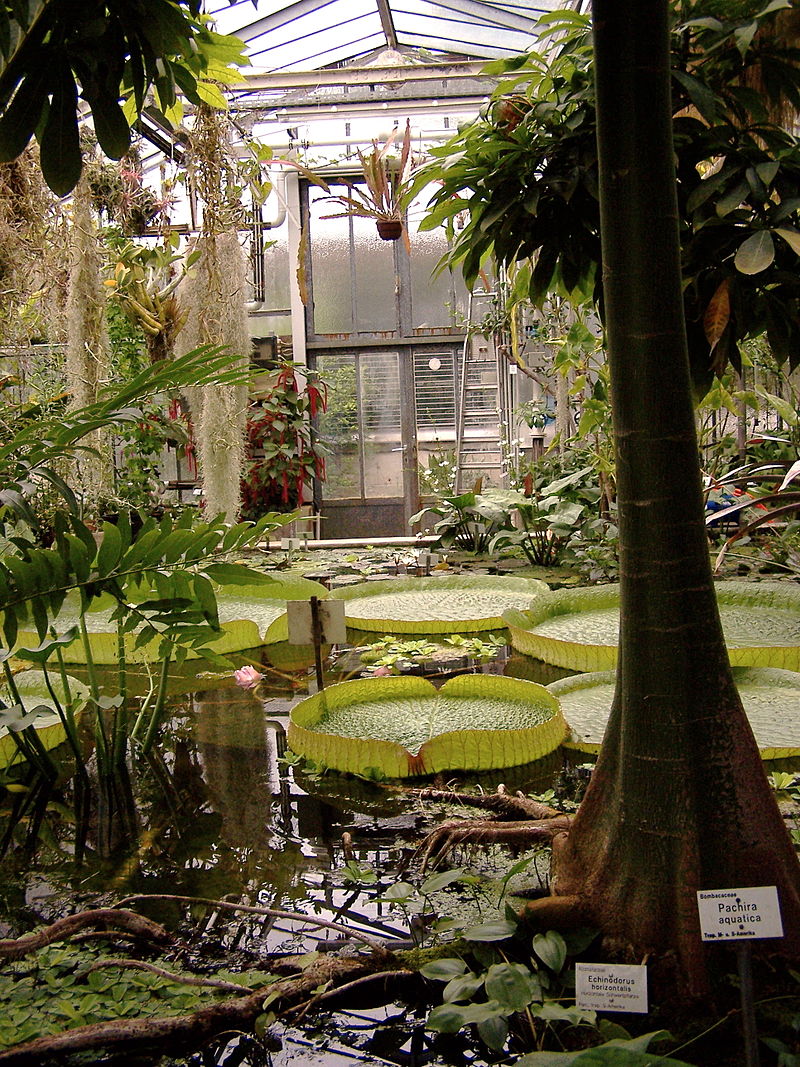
(352, 272)
(380, 392)
(376, 309)
(330, 268)
(438, 301)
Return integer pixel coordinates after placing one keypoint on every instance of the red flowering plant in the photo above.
(284, 455)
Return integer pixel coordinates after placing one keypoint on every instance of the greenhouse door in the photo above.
(370, 488)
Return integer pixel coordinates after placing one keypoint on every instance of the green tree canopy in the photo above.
(524, 175)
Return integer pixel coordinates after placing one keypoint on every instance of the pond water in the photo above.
(218, 813)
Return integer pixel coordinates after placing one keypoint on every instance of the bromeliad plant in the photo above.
(387, 190)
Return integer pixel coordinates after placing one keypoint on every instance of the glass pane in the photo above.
(375, 300)
(435, 393)
(277, 271)
(380, 399)
(437, 301)
(330, 267)
(338, 427)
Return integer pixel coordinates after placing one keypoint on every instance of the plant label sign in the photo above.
(733, 914)
(300, 618)
(611, 987)
(293, 544)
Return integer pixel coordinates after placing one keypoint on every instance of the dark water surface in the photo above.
(220, 814)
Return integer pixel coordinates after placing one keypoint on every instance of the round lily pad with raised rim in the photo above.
(448, 604)
(578, 628)
(404, 726)
(771, 699)
(249, 616)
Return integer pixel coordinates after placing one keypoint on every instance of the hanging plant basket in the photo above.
(403, 727)
(451, 604)
(578, 628)
(771, 699)
(389, 229)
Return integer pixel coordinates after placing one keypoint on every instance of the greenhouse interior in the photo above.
(399, 537)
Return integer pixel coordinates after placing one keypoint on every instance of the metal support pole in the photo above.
(316, 633)
(744, 957)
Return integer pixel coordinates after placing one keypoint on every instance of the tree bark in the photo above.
(679, 800)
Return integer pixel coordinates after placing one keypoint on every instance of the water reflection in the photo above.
(215, 812)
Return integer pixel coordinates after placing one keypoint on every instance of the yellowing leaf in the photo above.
(718, 313)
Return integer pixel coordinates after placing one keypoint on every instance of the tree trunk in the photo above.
(679, 800)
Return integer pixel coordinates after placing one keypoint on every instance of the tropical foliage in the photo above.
(284, 453)
(106, 51)
(524, 176)
(388, 186)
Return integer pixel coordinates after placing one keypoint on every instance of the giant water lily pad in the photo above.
(451, 604)
(34, 694)
(578, 628)
(249, 616)
(404, 726)
(771, 699)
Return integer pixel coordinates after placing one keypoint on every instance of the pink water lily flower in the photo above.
(247, 677)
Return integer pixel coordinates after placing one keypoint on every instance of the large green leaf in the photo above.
(578, 628)
(447, 604)
(756, 253)
(404, 726)
(618, 1053)
(771, 699)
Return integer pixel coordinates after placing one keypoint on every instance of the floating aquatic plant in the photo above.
(771, 699)
(404, 726)
(578, 628)
(448, 604)
(249, 617)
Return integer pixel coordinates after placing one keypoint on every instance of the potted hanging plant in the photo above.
(387, 188)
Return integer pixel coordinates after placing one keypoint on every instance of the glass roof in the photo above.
(310, 34)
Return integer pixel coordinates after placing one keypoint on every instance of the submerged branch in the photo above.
(274, 913)
(185, 1031)
(112, 919)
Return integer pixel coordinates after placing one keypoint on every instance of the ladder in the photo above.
(479, 422)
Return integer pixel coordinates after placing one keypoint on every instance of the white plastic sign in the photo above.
(611, 987)
(293, 544)
(733, 914)
(333, 630)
